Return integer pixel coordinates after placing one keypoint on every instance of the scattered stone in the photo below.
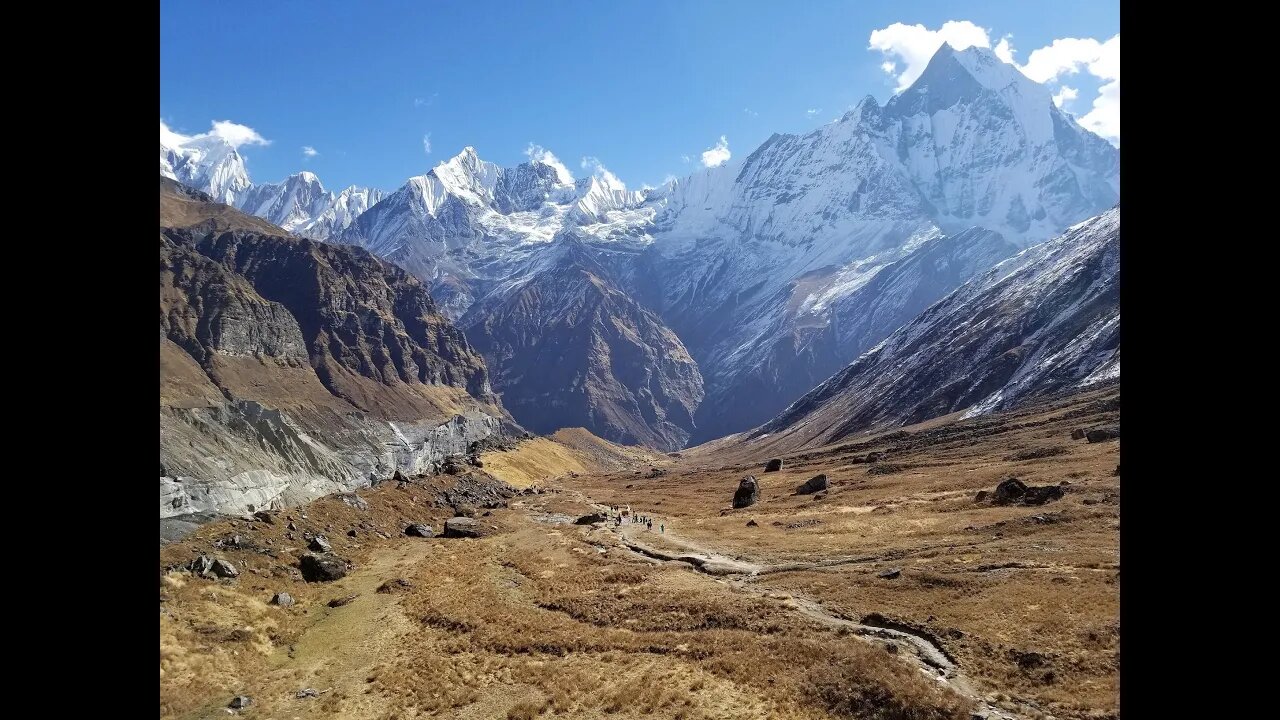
(202, 565)
(1008, 491)
(1117, 472)
(462, 527)
(307, 693)
(890, 574)
(291, 526)
(351, 532)
(778, 523)
(450, 465)
(394, 586)
(982, 495)
(773, 465)
(1102, 434)
(264, 516)
(240, 701)
(591, 519)
(486, 513)
(874, 456)
(317, 568)
(803, 524)
(1077, 434)
(339, 602)
(398, 477)
(748, 491)
(464, 511)
(812, 485)
(354, 500)
(419, 530)
(320, 544)
(283, 599)
(752, 523)
(1041, 494)
(892, 648)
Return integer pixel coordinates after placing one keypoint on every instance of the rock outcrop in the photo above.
(748, 492)
(291, 369)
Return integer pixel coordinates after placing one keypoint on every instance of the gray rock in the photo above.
(265, 517)
(419, 530)
(748, 492)
(317, 568)
(1077, 434)
(1008, 491)
(890, 574)
(354, 500)
(462, 527)
(321, 544)
(283, 599)
(339, 602)
(307, 693)
(812, 485)
(773, 465)
(591, 519)
(202, 565)
(752, 523)
(240, 701)
(1102, 434)
(224, 569)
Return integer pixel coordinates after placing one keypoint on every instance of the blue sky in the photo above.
(645, 87)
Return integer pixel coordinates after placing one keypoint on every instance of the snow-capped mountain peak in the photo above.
(205, 162)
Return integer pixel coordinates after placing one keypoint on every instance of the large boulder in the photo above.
(812, 485)
(591, 519)
(1077, 434)
(748, 492)
(1041, 494)
(283, 599)
(354, 500)
(1102, 434)
(208, 567)
(1008, 491)
(462, 527)
(320, 544)
(773, 465)
(319, 568)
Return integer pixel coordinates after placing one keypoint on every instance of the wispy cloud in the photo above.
(537, 153)
(426, 143)
(1065, 96)
(908, 49)
(685, 158)
(234, 134)
(718, 155)
(425, 101)
(751, 112)
(597, 168)
(309, 151)
(812, 111)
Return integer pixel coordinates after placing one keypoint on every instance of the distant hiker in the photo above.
(650, 528)
(663, 529)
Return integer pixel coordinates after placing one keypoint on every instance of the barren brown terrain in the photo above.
(789, 608)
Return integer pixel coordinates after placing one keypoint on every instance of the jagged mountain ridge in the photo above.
(1044, 321)
(292, 368)
(299, 204)
(751, 263)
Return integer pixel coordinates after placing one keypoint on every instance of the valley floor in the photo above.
(1003, 610)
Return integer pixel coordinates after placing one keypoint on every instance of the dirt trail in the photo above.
(744, 576)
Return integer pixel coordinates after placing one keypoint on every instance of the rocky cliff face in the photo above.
(569, 349)
(1044, 321)
(292, 368)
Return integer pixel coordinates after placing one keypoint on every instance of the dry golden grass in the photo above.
(557, 620)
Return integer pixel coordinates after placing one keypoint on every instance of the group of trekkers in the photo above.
(622, 513)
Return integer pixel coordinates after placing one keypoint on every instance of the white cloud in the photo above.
(1004, 49)
(812, 111)
(309, 151)
(426, 143)
(537, 153)
(1065, 95)
(914, 45)
(597, 168)
(424, 102)
(908, 49)
(751, 112)
(234, 134)
(684, 158)
(718, 155)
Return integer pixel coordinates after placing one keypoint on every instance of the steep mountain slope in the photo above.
(1044, 321)
(569, 348)
(753, 256)
(292, 368)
